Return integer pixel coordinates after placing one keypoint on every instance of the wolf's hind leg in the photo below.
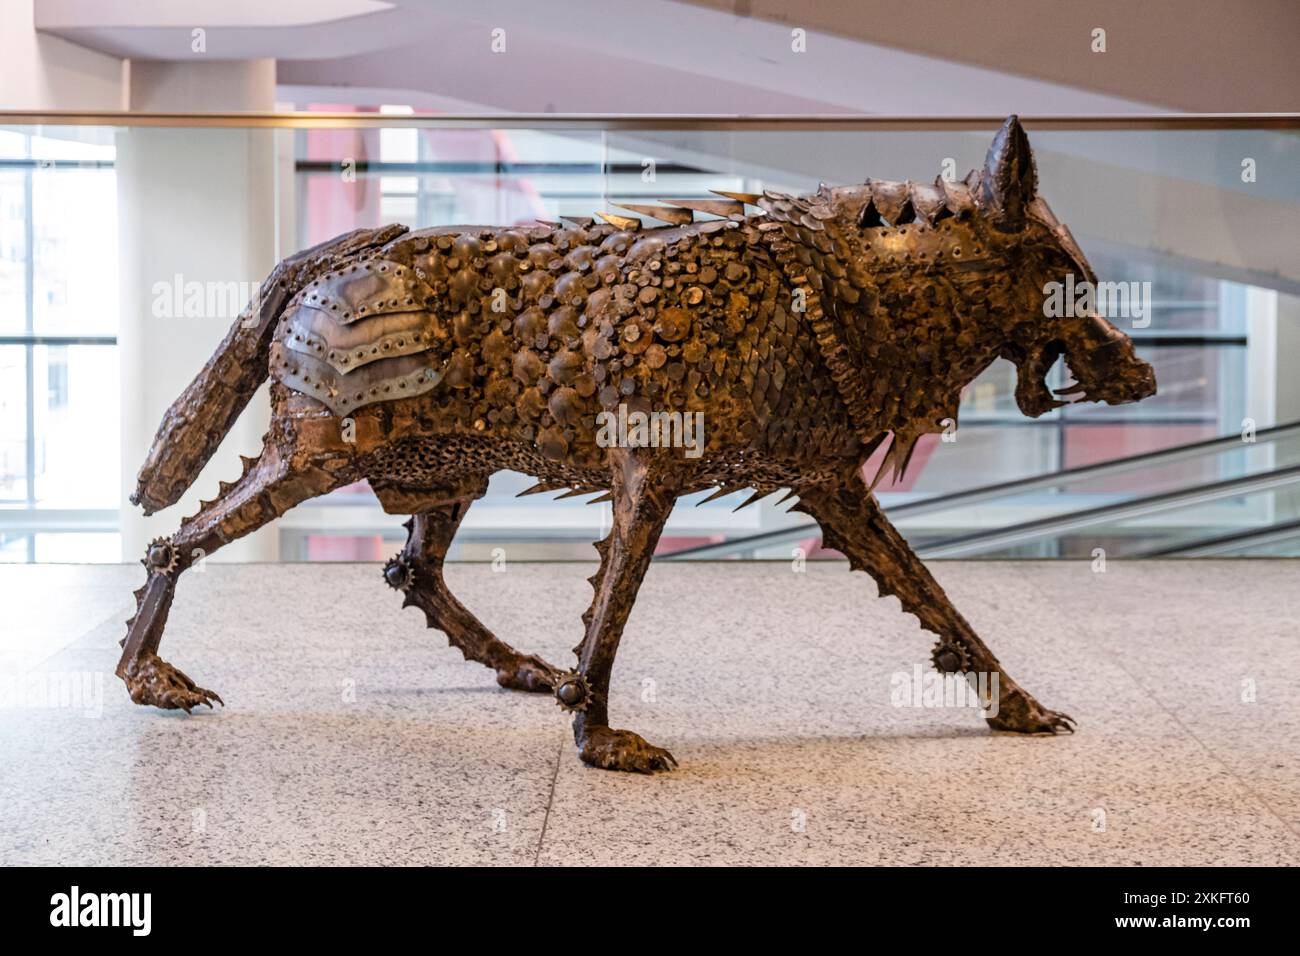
(269, 487)
(853, 523)
(417, 571)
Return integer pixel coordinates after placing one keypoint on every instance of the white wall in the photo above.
(201, 204)
(42, 72)
(164, 86)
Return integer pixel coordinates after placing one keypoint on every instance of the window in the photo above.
(59, 474)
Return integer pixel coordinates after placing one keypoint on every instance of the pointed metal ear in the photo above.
(1010, 178)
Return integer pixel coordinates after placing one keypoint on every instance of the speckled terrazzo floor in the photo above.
(354, 735)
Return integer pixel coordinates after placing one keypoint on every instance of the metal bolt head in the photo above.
(572, 692)
(947, 661)
(160, 556)
(397, 574)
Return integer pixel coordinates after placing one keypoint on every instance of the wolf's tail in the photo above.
(205, 412)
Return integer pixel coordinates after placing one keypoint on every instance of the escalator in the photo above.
(1231, 495)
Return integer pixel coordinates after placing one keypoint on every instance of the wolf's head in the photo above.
(960, 273)
(1041, 249)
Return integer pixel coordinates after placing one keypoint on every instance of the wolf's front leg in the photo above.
(853, 523)
(642, 503)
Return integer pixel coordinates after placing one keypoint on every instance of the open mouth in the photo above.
(1109, 373)
(1032, 394)
(1073, 393)
(1113, 374)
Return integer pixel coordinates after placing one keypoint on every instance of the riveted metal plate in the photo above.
(387, 379)
(313, 332)
(365, 289)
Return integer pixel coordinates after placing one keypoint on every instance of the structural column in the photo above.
(197, 232)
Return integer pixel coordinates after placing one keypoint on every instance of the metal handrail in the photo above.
(649, 121)
(1268, 534)
(1134, 507)
(972, 496)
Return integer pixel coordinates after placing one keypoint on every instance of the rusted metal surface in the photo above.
(803, 335)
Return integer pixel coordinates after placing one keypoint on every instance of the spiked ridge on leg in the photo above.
(418, 570)
(854, 524)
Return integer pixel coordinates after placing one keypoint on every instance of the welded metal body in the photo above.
(802, 332)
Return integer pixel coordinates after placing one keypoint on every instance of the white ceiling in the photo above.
(596, 56)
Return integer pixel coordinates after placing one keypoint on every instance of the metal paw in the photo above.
(611, 749)
(530, 674)
(1037, 720)
(154, 682)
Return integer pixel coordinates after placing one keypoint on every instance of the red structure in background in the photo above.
(1089, 444)
(331, 204)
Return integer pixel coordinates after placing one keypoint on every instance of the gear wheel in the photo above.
(160, 556)
(572, 692)
(398, 573)
(951, 657)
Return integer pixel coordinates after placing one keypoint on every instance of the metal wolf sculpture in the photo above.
(808, 333)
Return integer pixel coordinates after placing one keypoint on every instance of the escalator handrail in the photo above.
(1264, 535)
(1001, 489)
(1132, 507)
